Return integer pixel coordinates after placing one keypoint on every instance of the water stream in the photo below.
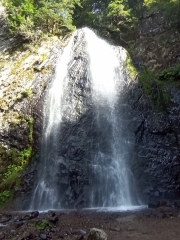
(85, 146)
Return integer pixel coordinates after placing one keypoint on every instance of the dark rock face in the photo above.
(156, 155)
(153, 134)
(16, 134)
(81, 137)
(154, 137)
(151, 48)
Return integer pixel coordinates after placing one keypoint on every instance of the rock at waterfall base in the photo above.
(97, 234)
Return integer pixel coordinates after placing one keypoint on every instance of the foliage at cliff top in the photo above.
(106, 16)
(117, 19)
(170, 9)
(31, 18)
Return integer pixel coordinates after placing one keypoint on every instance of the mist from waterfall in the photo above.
(113, 177)
(45, 195)
(110, 181)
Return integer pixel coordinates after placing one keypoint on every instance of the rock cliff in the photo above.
(27, 71)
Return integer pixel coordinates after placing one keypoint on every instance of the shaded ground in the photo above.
(151, 224)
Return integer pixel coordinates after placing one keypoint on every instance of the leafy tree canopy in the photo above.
(29, 18)
(169, 8)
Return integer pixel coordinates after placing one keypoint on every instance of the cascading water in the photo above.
(85, 147)
(109, 168)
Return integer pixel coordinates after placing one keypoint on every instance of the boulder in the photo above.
(97, 234)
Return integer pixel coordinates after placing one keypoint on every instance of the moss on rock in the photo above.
(13, 163)
(155, 89)
(130, 67)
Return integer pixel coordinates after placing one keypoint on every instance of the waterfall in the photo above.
(85, 146)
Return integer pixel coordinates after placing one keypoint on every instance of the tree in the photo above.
(119, 14)
(28, 17)
(55, 16)
(110, 17)
(20, 17)
(169, 8)
(90, 13)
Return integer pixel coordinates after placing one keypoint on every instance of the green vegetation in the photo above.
(130, 67)
(19, 162)
(30, 125)
(30, 19)
(154, 87)
(169, 9)
(41, 225)
(5, 197)
(170, 74)
(114, 19)
(117, 19)
(13, 162)
(110, 18)
(26, 93)
(146, 77)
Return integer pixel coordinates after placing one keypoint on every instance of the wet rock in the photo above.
(152, 204)
(154, 138)
(162, 203)
(2, 236)
(97, 234)
(18, 224)
(80, 238)
(26, 217)
(43, 236)
(27, 235)
(68, 233)
(34, 214)
(13, 231)
(51, 214)
(5, 219)
(53, 220)
(177, 203)
(79, 232)
(116, 229)
(131, 229)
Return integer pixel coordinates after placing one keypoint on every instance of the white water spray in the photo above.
(110, 180)
(107, 76)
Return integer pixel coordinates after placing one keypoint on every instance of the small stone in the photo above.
(2, 235)
(177, 203)
(25, 235)
(12, 231)
(131, 229)
(26, 217)
(156, 193)
(54, 219)
(43, 236)
(162, 203)
(116, 229)
(152, 205)
(52, 213)
(34, 214)
(18, 224)
(97, 234)
(79, 232)
(5, 219)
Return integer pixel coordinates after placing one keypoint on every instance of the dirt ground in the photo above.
(150, 224)
(161, 224)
